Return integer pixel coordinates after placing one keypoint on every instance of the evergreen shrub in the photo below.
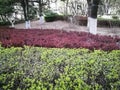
(36, 68)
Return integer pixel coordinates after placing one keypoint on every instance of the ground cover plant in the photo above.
(57, 39)
(37, 68)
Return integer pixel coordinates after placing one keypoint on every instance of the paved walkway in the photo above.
(62, 25)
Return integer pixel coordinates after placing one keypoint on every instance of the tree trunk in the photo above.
(67, 2)
(48, 1)
(89, 13)
(92, 15)
(40, 7)
(2, 18)
(41, 17)
(25, 9)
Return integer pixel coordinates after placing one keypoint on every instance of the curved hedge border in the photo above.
(57, 39)
(35, 68)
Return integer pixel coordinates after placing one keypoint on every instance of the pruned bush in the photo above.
(36, 68)
(51, 16)
(57, 39)
(108, 23)
(115, 17)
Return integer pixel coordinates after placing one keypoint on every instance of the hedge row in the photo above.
(4, 23)
(108, 23)
(58, 39)
(51, 16)
(54, 18)
(35, 68)
(101, 22)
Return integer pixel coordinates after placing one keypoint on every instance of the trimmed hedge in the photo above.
(4, 23)
(58, 39)
(52, 18)
(101, 22)
(35, 68)
(108, 23)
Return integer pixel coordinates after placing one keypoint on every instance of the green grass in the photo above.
(36, 68)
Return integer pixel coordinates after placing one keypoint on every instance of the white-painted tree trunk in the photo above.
(71, 20)
(13, 25)
(88, 22)
(27, 24)
(12, 21)
(93, 25)
(41, 19)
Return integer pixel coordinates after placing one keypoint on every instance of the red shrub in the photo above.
(57, 38)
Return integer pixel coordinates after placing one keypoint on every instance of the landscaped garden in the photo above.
(58, 60)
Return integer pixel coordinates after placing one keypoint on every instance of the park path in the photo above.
(63, 25)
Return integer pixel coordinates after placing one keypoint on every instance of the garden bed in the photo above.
(57, 39)
(64, 64)
(36, 68)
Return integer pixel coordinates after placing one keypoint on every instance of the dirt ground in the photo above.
(63, 25)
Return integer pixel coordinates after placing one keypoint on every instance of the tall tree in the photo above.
(25, 4)
(66, 6)
(7, 10)
(110, 6)
(42, 3)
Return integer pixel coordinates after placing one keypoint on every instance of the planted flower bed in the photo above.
(60, 68)
(57, 39)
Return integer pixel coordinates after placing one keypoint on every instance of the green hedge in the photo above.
(35, 68)
(51, 16)
(101, 22)
(108, 22)
(4, 23)
(8, 23)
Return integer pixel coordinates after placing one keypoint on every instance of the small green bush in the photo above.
(115, 17)
(35, 68)
(4, 23)
(52, 16)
